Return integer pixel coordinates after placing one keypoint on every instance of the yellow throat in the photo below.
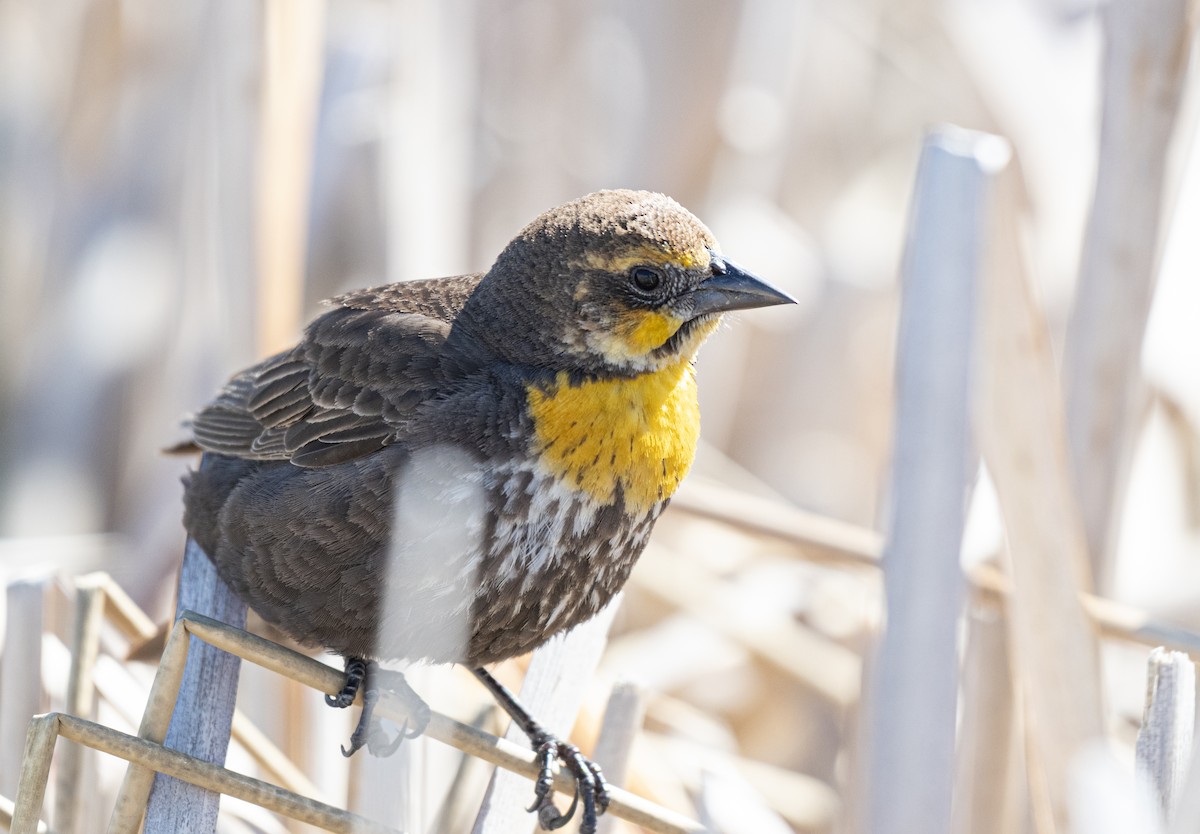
(639, 434)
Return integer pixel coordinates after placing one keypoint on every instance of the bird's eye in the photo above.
(646, 279)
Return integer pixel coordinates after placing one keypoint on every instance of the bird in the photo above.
(456, 469)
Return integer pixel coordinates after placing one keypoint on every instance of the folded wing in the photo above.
(348, 387)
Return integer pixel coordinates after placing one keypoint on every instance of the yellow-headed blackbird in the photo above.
(459, 468)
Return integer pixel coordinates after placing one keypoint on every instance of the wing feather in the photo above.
(350, 384)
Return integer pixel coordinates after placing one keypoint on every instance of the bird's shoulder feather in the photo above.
(347, 388)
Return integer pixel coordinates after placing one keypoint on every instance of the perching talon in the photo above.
(373, 681)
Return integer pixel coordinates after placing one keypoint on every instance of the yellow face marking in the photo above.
(634, 335)
(638, 435)
(698, 257)
(645, 330)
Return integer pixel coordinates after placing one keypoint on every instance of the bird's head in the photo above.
(614, 283)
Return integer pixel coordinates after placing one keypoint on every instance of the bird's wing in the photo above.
(346, 389)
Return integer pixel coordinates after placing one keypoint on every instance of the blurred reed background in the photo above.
(182, 183)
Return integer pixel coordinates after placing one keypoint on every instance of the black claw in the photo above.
(367, 676)
(551, 819)
(590, 786)
(545, 779)
(367, 729)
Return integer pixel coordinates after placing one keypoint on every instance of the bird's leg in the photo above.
(590, 787)
(367, 676)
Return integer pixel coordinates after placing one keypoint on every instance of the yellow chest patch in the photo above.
(637, 434)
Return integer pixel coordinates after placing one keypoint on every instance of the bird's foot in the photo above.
(373, 681)
(590, 786)
(356, 672)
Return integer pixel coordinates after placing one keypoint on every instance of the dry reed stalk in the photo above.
(201, 715)
(1186, 818)
(120, 610)
(21, 679)
(124, 614)
(204, 775)
(1147, 43)
(7, 808)
(912, 687)
(270, 758)
(985, 792)
(428, 153)
(311, 673)
(135, 788)
(35, 773)
(69, 797)
(1164, 742)
(1021, 432)
(293, 59)
(460, 804)
(623, 714)
(293, 62)
(807, 803)
(836, 543)
(728, 803)
(813, 660)
(622, 723)
(824, 540)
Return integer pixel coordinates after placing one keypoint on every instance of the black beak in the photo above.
(733, 288)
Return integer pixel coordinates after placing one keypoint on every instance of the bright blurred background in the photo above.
(152, 171)
(182, 183)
